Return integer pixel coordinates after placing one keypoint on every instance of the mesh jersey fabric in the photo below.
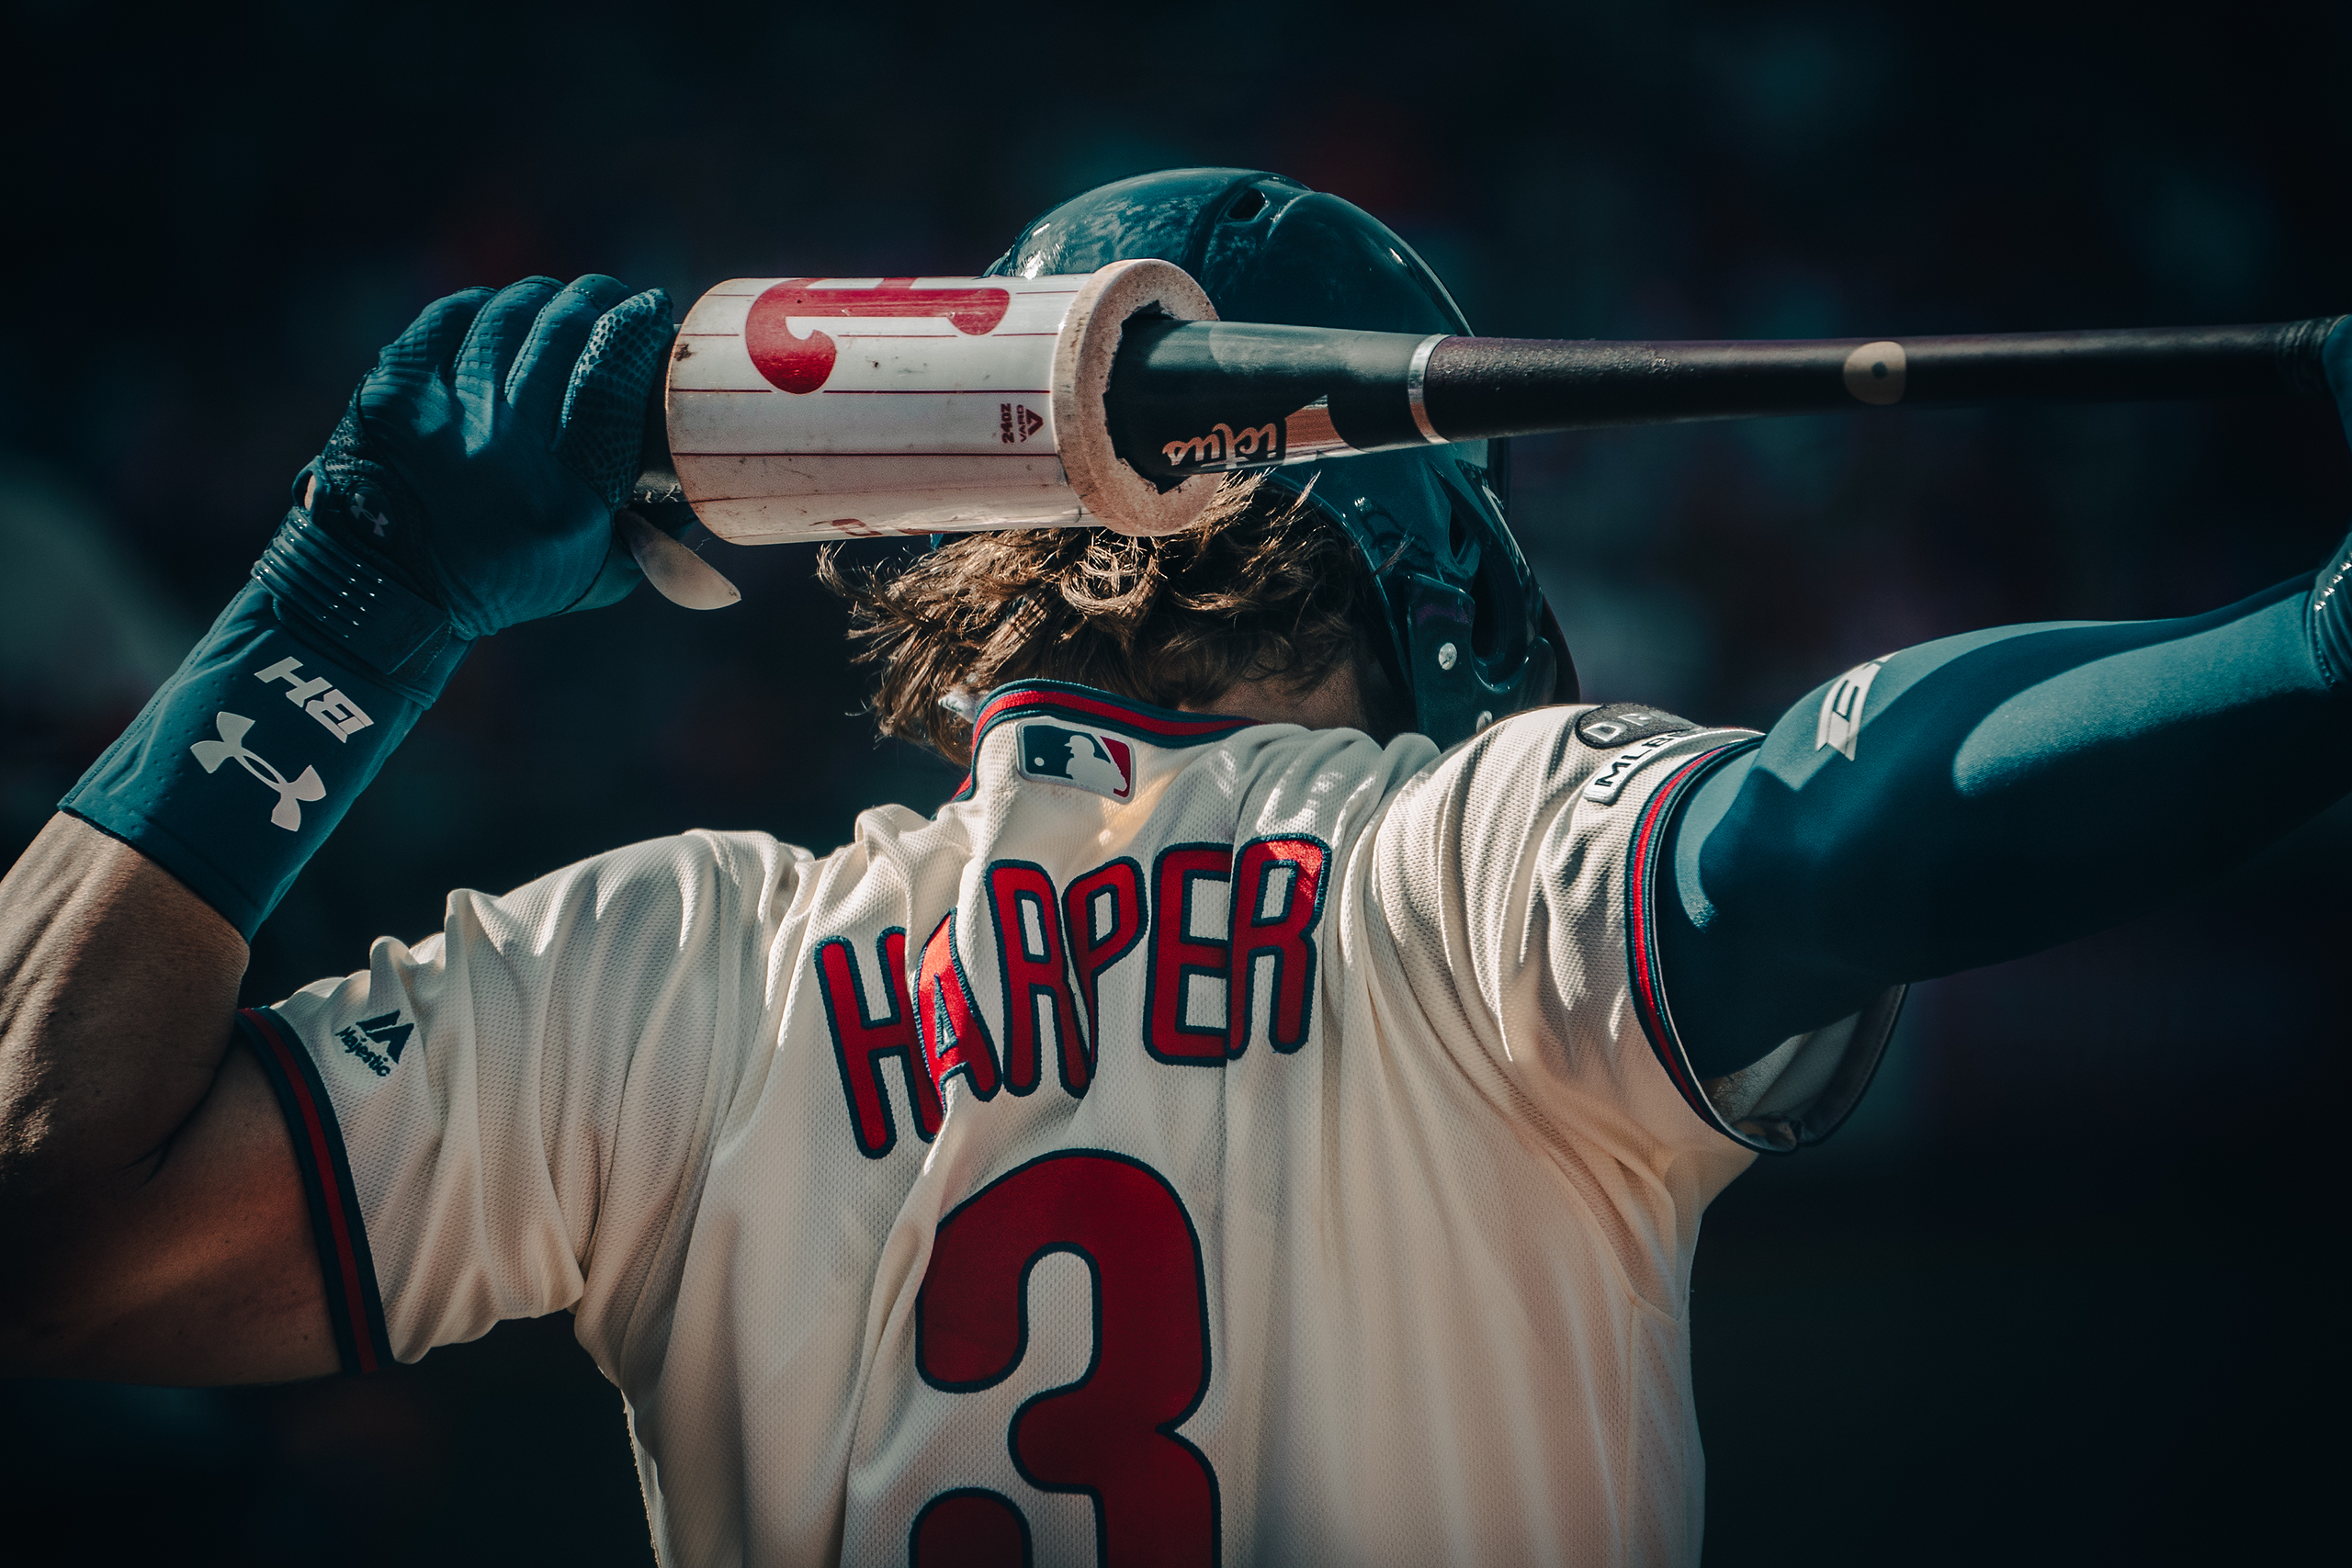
(947, 1189)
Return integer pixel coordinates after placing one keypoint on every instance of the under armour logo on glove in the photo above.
(367, 505)
(211, 754)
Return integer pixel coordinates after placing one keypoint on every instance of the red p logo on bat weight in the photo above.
(794, 364)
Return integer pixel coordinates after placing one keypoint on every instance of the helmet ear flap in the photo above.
(1516, 635)
(1515, 639)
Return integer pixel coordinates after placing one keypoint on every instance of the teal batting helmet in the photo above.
(1463, 629)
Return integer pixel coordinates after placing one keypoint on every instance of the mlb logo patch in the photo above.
(1086, 758)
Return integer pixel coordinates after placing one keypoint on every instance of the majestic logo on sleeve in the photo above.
(1086, 758)
(385, 1030)
(231, 747)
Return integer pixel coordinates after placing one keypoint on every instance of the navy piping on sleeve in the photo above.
(353, 1307)
(1641, 934)
(1645, 866)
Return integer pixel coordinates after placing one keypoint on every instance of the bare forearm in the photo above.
(117, 989)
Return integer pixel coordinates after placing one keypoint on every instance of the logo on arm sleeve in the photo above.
(319, 697)
(231, 747)
(1840, 723)
(1104, 764)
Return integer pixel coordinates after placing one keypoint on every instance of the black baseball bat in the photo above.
(1192, 397)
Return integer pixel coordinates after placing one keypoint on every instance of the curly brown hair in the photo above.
(1261, 587)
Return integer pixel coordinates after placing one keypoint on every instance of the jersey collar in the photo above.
(1166, 728)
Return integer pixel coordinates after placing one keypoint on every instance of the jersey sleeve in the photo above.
(514, 1116)
(1514, 884)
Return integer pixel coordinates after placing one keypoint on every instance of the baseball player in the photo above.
(1264, 1116)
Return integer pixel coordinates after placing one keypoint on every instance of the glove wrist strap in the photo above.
(355, 609)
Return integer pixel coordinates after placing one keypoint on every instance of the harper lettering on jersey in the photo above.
(1213, 911)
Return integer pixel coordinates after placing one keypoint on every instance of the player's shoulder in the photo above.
(1283, 758)
(1602, 745)
(737, 857)
(674, 883)
(1594, 755)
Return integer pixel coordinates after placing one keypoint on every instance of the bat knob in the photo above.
(676, 572)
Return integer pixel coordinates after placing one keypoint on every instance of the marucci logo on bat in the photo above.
(1225, 448)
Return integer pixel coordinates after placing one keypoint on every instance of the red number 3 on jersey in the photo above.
(1111, 1434)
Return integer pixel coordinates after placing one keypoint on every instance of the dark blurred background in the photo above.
(2060, 1292)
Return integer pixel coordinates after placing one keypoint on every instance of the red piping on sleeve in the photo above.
(338, 1222)
(1641, 942)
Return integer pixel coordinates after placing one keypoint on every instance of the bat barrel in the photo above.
(1190, 396)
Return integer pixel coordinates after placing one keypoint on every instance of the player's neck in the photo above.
(1334, 704)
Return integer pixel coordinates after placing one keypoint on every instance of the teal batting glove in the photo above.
(479, 467)
(472, 486)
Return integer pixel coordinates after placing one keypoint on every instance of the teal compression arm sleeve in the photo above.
(232, 789)
(1991, 795)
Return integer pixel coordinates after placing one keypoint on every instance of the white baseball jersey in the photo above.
(1201, 1141)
